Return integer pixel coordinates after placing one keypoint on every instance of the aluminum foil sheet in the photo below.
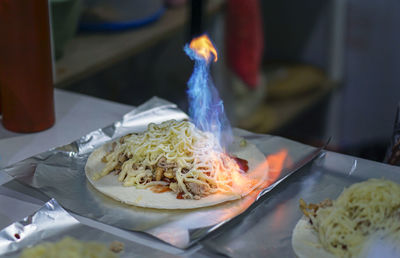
(59, 173)
(51, 223)
(267, 230)
(13, 208)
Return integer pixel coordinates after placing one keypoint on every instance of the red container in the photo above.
(26, 82)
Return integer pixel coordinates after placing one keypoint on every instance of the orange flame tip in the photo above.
(203, 47)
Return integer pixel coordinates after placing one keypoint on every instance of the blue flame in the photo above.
(206, 109)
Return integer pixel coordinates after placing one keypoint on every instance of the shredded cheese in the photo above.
(188, 154)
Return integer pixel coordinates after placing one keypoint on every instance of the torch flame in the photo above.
(207, 111)
(206, 108)
(204, 48)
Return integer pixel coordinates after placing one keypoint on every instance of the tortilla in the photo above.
(306, 244)
(110, 186)
(366, 211)
(305, 241)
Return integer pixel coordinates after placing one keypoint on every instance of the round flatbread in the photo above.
(110, 186)
(306, 244)
(305, 241)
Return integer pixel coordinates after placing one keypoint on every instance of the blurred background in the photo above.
(305, 70)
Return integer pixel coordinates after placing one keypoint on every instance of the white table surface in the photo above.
(76, 115)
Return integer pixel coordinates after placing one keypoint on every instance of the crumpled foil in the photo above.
(51, 223)
(59, 173)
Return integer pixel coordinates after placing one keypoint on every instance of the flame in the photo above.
(203, 47)
(276, 162)
(263, 175)
(206, 108)
(266, 173)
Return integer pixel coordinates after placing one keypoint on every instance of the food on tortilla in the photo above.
(172, 159)
(72, 248)
(363, 213)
